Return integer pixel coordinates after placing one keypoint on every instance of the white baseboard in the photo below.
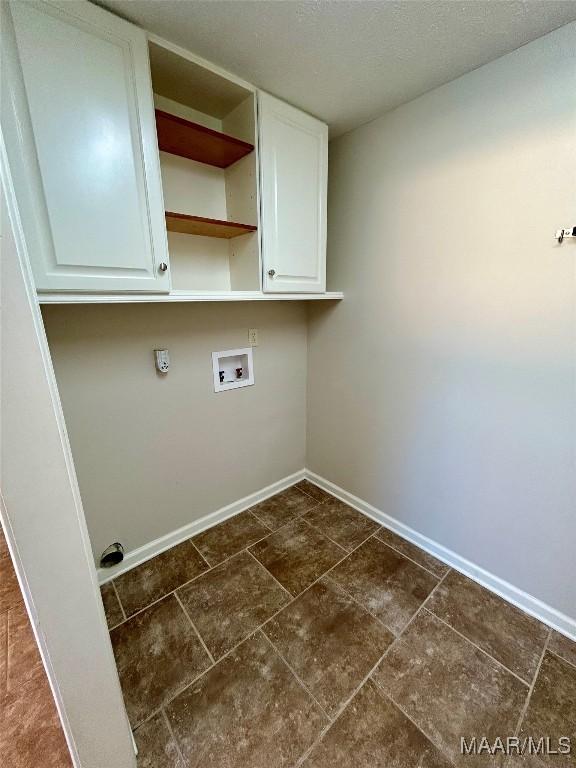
(153, 548)
(531, 605)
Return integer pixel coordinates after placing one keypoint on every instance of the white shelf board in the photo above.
(180, 296)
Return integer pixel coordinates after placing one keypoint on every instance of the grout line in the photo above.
(554, 653)
(271, 531)
(485, 653)
(171, 732)
(210, 567)
(303, 518)
(177, 596)
(119, 601)
(346, 554)
(303, 491)
(282, 587)
(169, 700)
(531, 688)
(247, 549)
(317, 528)
(243, 640)
(392, 645)
(197, 550)
(255, 516)
(201, 674)
(312, 497)
(327, 727)
(297, 516)
(340, 711)
(395, 549)
(296, 675)
(194, 578)
(261, 627)
(350, 596)
(414, 615)
(382, 692)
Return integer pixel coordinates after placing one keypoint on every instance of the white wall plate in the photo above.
(232, 368)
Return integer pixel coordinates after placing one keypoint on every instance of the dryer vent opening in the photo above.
(112, 555)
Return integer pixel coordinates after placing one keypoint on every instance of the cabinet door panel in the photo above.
(294, 159)
(90, 105)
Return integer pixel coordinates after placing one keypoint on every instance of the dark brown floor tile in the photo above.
(226, 539)
(297, 555)
(229, 602)
(527, 760)
(431, 564)
(329, 641)
(24, 660)
(373, 733)
(3, 544)
(343, 524)
(280, 509)
(248, 710)
(449, 688)
(159, 576)
(157, 653)
(552, 708)
(3, 653)
(563, 647)
(385, 582)
(318, 494)
(508, 634)
(31, 735)
(156, 746)
(112, 608)
(10, 594)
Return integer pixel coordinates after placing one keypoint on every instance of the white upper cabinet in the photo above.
(294, 161)
(87, 108)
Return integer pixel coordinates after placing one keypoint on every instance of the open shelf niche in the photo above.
(198, 225)
(206, 128)
(196, 142)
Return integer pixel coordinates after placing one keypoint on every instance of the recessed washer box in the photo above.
(232, 368)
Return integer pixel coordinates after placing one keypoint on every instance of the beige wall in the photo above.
(442, 389)
(155, 453)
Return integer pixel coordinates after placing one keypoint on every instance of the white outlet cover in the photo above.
(162, 360)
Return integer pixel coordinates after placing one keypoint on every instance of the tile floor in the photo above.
(30, 732)
(300, 632)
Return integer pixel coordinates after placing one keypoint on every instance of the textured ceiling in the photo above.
(348, 62)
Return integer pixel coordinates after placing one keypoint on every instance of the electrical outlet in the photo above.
(253, 337)
(162, 360)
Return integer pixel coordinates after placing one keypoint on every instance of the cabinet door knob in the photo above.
(162, 266)
(271, 272)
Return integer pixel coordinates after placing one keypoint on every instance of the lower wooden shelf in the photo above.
(182, 296)
(198, 225)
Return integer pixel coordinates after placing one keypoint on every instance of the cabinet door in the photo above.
(294, 162)
(88, 97)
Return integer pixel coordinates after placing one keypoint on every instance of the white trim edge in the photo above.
(156, 547)
(527, 603)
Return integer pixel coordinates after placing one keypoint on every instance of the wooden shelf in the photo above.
(181, 296)
(198, 225)
(196, 142)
